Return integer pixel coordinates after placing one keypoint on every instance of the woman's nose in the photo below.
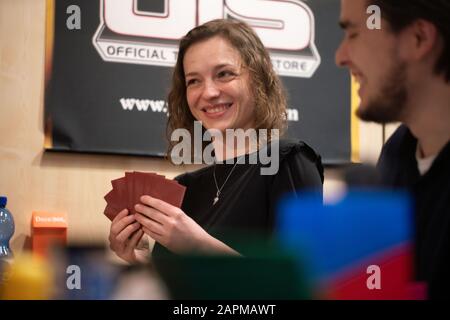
(210, 90)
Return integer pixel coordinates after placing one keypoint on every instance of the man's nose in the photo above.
(341, 55)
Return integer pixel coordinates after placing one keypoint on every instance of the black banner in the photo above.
(109, 64)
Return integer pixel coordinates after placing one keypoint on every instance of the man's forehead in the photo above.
(353, 11)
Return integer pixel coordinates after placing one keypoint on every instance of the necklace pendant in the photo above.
(216, 198)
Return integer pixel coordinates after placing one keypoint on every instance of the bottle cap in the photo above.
(3, 201)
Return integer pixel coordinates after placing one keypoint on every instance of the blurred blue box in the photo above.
(328, 238)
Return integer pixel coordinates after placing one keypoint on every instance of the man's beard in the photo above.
(390, 103)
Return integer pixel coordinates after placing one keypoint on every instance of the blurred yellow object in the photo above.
(27, 277)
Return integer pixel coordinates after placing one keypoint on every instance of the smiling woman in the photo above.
(224, 80)
(218, 86)
(225, 58)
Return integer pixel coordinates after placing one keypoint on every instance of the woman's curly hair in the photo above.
(267, 89)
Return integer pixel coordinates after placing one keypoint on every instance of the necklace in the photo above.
(219, 190)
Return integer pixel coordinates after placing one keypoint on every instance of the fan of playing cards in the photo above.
(127, 191)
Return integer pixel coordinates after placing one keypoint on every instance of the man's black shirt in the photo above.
(398, 168)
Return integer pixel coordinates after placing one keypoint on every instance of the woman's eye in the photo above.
(224, 75)
(191, 82)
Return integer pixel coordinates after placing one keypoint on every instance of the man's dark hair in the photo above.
(401, 13)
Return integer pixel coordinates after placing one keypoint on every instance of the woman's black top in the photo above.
(248, 202)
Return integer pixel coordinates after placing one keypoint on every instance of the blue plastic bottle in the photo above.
(6, 229)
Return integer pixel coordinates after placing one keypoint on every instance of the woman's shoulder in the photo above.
(184, 178)
(298, 154)
(295, 148)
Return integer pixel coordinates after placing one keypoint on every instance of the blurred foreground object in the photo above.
(140, 283)
(266, 273)
(83, 272)
(27, 278)
(86, 272)
(358, 248)
(47, 230)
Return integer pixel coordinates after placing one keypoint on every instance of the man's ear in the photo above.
(425, 38)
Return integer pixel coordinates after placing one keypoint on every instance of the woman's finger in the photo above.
(132, 243)
(125, 234)
(118, 226)
(120, 215)
(150, 224)
(155, 236)
(160, 205)
(151, 213)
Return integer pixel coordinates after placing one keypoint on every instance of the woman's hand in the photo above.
(124, 235)
(174, 229)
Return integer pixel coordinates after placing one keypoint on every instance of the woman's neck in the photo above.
(230, 149)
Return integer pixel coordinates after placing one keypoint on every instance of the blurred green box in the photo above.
(266, 272)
